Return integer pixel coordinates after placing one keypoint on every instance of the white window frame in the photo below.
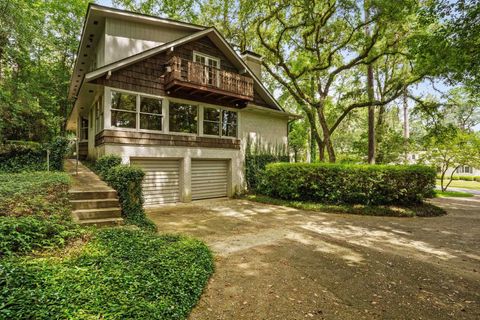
(220, 123)
(207, 59)
(137, 112)
(165, 114)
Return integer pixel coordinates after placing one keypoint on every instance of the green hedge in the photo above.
(465, 178)
(19, 156)
(127, 181)
(339, 183)
(255, 167)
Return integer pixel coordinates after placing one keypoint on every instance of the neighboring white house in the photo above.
(173, 98)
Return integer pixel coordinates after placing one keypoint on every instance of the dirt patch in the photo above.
(281, 263)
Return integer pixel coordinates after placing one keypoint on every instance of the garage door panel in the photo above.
(161, 183)
(209, 179)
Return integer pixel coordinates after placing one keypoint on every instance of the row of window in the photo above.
(139, 112)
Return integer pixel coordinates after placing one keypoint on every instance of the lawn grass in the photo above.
(475, 185)
(417, 210)
(453, 194)
(119, 273)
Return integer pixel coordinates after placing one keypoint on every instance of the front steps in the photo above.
(100, 208)
(92, 200)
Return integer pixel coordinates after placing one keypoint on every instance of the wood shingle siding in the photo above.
(148, 76)
(159, 139)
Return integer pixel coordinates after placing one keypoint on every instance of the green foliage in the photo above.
(415, 210)
(38, 42)
(127, 181)
(34, 212)
(256, 159)
(16, 157)
(58, 150)
(354, 184)
(119, 274)
(448, 148)
(34, 193)
(107, 162)
(22, 235)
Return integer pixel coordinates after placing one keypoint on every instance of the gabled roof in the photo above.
(216, 38)
(93, 27)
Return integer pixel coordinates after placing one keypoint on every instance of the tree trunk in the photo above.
(379, 133)
(370, 92)
(327, 141)
(406, 126)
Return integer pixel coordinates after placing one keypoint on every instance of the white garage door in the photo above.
(161, 182)
(209, 179)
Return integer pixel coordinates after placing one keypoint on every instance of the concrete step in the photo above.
(102, 222)
(94, 194)
(94, 204)
(102, 213)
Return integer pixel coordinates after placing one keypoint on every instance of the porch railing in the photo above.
(209, 77)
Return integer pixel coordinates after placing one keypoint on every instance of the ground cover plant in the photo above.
(415, 210)
(34, 212)
(119, 274)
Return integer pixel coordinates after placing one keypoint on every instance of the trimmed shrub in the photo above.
(353, 184)
(21, 235)
(107, 162)
(255, 167)
(465, 178)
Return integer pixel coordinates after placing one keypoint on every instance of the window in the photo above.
(150, 114)
(124, 110)
(229, 123)
(183, 117)
(219, 122)
(465, 169)
(84, 129)
(211, 121)
(210, 72)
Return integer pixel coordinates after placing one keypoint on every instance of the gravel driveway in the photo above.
(282, 263)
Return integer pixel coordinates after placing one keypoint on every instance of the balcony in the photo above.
(185, 77)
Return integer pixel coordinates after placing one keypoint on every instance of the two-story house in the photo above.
(172, 98)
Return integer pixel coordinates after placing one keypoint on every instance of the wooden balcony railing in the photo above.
(206, 78)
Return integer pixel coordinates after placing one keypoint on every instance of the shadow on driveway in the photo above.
(282, 263)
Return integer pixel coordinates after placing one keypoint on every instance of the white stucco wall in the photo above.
(269, 128)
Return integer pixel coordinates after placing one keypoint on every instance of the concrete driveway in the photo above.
(282, 263)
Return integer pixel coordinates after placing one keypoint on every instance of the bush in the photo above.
(127, 181)
(19, 156)
(119, 274)
(355, 184)
(465, 178)
(23, 235)
(58, 150)
(105, 163)
(39, 193)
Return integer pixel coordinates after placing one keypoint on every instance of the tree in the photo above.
(297, 138)
(309, 45)
(448, 149)
(38, 42)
